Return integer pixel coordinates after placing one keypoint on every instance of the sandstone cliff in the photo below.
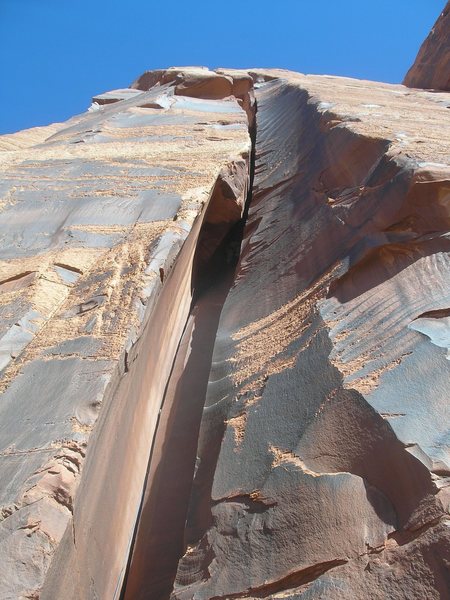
(322, 464)
(101, 220)
(224, 343)
(431, 69)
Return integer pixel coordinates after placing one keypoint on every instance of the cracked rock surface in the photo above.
(224, 342)
(94, 215)
(323, 455)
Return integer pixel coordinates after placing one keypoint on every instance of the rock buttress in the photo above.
(323, 455)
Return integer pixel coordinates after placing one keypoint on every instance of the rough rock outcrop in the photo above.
(431, 69)
(224, 343)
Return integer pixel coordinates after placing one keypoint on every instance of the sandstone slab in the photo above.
(224, 342)
(94, 215)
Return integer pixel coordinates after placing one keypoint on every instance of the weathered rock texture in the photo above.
(99, 225)
(431, 69)
(323, 455)
(224, 343)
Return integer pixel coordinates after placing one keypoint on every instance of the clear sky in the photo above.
(56, 54)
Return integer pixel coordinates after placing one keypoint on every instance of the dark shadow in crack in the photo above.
(160, 533)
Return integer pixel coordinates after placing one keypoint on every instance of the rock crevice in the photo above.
(224, 300)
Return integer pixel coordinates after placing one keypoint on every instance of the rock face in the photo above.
(323, 455)
(224, 343)
(100, 220)
(431, 69)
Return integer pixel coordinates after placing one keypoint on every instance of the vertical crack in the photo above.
(159, 537)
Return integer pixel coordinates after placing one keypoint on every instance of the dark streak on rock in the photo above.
(293, 580)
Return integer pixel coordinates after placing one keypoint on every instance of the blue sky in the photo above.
(56, 54)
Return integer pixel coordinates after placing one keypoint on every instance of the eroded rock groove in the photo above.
(160, 538)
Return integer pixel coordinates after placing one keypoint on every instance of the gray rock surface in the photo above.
(323, 455)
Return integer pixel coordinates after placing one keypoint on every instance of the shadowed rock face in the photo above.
(431, 69)
(224, 343)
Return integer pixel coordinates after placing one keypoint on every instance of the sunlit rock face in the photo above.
(431, 69)
(224, 342)
(99, 221)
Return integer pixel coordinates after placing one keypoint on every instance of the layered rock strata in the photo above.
(431, 69)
